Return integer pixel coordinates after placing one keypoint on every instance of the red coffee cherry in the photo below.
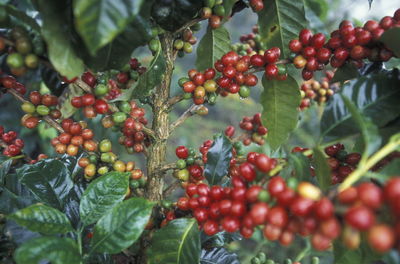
(247, 171)
(259, 212)
(370, 195)
(230, 224)
(360, 217)
(276, 185)
(381, 238)
(211, 227)
(182, 152)
(323, 209)
(277, 216)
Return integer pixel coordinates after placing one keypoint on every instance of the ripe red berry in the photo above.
(211, 227)
(76, 101)
(182, 152)
(276, 185)
(264, 163)
(101, 106)
(370, 195)
(88, 99)
(89, 79)
(295, 46)
(392, 189)
(360, 217)
(257, 60)
(277, 216)
(305, 36)
(75, 129)
(271, 71)
(259, 212)
(247, 171)
(230, 224)
(381, 238)
(301, 206)
(318, 40)
(323, 209)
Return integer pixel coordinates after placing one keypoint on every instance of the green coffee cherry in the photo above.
(244, 91)
(102, 170)
(105, 145)
(142, 182)
(287, 261)
(263, 196)
(181, 164)
(255, 260)
(281, 69)
(154, 45)
(270, 261)
(183, 175)
(315, 260)
(209, 3)
(292, 183)
(187, 96)
(101, 89)
(119, 117)
(28, 108)
(187, 47)
(42, 110)
(190, 160)
(93, 159)
(125, 107)
(178, 44)
(134, 75)
(166, 204)
(219, 10)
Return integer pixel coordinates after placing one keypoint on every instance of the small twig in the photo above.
(171, 188)
(84, 86)
(174, 100)
(46, 118)
(188, 113)
(189, 24)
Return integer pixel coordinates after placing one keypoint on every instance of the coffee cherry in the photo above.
(230, 224)
(72, 150)
(101, 106)
(182, 152)
(381, 238)
(360, 217)
(264, 163)
(259, 212)
(295, 46)
(276, 185)
(211, 227)
(247, 171)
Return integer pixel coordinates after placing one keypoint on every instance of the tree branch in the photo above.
(189, 24)
(171, 188)
(174, 100)
(46, 118)
(188, 113)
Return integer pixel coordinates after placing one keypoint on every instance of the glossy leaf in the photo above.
(218, 255)
(122, 226)
(116, 54)
(173, 14)
(60, 48)
(281, 21)
(228, 5)
(5, 165)
(322, 169)
(375, 96)
(214, 44)
(52, 80)
(57, 250)
(99, 22)
(219, 239)
(21, 17)
(218, 160)
(369, 132)
(280, 100)
(176, 243)
(391, 38)
(102, 195)
(43, 219)
(346, 72)
(301, 165)
(49, 181)
(152, 77)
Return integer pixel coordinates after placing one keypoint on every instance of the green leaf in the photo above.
(152, 77)
(22, 17)
(346, 72)
(322, 169)
(116, 54)
(281, 21)
(370, 134)
(391, 39)
(319, 7)
(100, 21)
(280, 100)
(219, 239)
(218, 160)
(5, 166)
(176, 243)
(49, 180)
(375, 96)
(173, 14)
(218, 255)
(60, 48)
(121, 226)
(43, 219)
(301, 165)
(57, 250)
(214, 44)
(228, 5)
(102, 195)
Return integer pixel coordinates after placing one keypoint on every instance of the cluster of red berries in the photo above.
(200, 86)
(11, 144)
(38, 106)
(75, 135)
(348, 43)
(255, 131)
(318, 91)
(234, 78)
(91, 105)
(218, 207)
(269, 60)
(134, 139)
(363, 203)
(188, 171)
(341, 162)
(9, 82)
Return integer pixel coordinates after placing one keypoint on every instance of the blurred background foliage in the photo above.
(323, 16)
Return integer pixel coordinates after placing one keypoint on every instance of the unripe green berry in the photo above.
(42, 110)
(105, 145)
(28, 108)
(181, 164)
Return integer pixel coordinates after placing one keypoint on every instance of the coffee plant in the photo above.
(91, 172)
